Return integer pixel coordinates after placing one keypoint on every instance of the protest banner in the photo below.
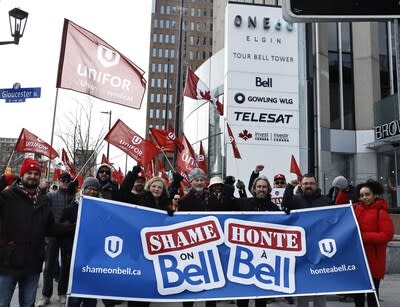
(131, 252)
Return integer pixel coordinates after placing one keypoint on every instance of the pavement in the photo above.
(389, 292)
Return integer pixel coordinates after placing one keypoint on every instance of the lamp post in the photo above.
(109, 128)
(18, 20)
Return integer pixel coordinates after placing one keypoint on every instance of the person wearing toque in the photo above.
(22, 243)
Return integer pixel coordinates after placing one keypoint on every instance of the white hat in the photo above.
(215, 180)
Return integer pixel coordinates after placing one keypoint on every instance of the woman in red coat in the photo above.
(376, 229)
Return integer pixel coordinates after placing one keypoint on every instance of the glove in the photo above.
(287, 210)
(229, 180)
(240, 185)
(177, 177)
(170, 212)
(136, 169)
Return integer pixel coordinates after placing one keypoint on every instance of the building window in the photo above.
(155, 23)
(161, 40)
(172, 53)
(166, 53)
(160, 51)
(341, 76)
(154, 52)
(162, 23)
(387, 59)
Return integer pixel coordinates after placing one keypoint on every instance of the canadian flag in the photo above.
(197, 89)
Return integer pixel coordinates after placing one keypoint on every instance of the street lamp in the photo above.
(18, 20)
(109, 128)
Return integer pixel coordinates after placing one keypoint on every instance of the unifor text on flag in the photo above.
(140, 149)
(28, 142)
(91, 66)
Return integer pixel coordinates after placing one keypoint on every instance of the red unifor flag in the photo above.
(70, 167)
(166, 139)
(140, 149)
(186, 159)
(201, 159)
(162, 172)
(294, 168)
(91, 66)
(149, 170)
(197, 89)
(28, 142)
(232, 141)
(118, 175)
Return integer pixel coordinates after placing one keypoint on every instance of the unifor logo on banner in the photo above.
(113, 246)
(107, 57)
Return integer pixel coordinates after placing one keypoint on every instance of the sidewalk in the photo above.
(389, 289)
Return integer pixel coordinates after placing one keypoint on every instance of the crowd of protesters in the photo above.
(37, 221)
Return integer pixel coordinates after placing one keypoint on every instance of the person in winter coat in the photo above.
(90, 187)
(25, 220)
(310, 197)
(60, 199)
(108, 186)
(377, 230)
(261, 201)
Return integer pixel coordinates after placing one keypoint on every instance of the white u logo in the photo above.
(327, 247)
(113, 246)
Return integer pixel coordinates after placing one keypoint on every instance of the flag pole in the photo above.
(9, 160)
(52, 130)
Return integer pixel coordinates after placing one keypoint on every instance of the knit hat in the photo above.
(91, 182)
(197, 172)
(29, 165)
(215, 180)
(65, 176)
(340, 182)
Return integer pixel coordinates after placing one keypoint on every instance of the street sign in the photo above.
(339, 10)
(18, 94)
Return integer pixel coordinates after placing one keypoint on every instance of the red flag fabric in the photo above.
(140, 149)
(161, 172)
(186, 159)
(201, 159)
(91, 66)
(232, 141)
(197, 89)
(294, 168)
(161, 138)
(104, 160)
(118, 175)
(149, 170)
(28, 142)
(56, 174)
(70, 167)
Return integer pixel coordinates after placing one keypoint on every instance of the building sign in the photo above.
(19, 94)
(388, 129)
(261, 88)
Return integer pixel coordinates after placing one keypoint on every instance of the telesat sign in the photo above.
(19, 94)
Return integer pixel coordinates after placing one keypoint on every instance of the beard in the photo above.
(30, 183)
(308, 192)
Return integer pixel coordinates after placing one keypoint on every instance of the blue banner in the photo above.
(135, 253)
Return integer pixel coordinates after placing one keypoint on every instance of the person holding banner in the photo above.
(310, 197)
(90, 187)
(25, 219)
(261, 190)
(377, 230)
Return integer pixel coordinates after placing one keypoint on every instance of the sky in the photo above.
(124, 24)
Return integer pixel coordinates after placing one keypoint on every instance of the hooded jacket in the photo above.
(377, 230)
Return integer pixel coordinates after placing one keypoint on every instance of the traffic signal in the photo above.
(337, 10)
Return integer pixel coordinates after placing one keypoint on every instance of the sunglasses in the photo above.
(176, 198)
(104, 171)
(280, 182)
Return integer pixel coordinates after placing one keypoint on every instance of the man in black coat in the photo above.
(25, 220)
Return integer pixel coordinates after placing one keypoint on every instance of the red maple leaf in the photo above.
(245, 135)
(205, 95)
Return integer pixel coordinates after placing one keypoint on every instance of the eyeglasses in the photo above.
(279, 182)
(104, 171)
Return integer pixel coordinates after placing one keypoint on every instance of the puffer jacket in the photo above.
(23, 227)
(377, 230)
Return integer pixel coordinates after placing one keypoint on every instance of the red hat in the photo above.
(279, 176)
(29, 165)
